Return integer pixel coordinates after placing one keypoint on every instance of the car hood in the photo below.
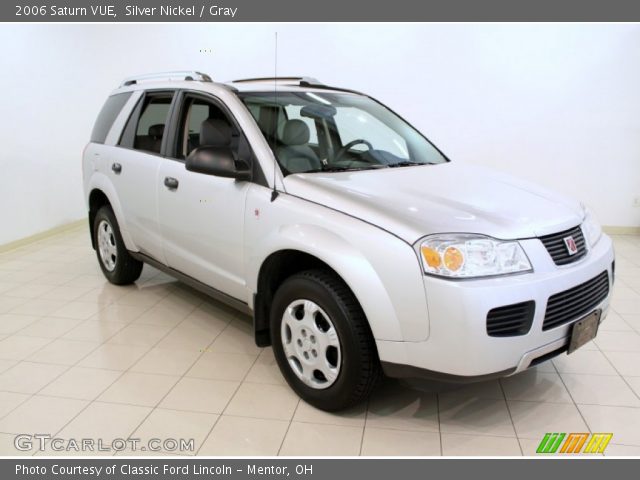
(411, 202)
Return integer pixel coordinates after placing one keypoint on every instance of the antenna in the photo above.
(274, 193)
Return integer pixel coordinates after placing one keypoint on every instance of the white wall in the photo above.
(558, 104)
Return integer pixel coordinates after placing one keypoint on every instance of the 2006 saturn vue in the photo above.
(356, 245)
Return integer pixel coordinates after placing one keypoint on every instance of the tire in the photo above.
(345, 368)
(117, 265)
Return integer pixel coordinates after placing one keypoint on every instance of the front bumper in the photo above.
(458, 347)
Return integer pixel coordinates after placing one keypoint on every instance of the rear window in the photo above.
(107, 116)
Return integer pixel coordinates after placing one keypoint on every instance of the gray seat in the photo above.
(151, 142)
(296, 155)
(215, 132)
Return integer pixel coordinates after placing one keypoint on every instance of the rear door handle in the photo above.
(171, 183)
(117, 168)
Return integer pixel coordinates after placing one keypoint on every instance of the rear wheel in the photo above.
(116, 263)
(322, 341)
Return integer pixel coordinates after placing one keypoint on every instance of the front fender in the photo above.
(387, 285)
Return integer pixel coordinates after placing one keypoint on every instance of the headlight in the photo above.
(591, 228)
(468, 256)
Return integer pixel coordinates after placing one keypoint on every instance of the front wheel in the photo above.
(116, 263)
(322, 341)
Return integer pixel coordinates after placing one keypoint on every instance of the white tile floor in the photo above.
(82, 358)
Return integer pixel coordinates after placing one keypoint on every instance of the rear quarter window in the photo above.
(107, 116)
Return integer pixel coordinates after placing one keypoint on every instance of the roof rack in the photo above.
(178, 75)
(302, 81)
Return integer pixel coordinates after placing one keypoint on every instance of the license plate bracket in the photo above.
(584, 330)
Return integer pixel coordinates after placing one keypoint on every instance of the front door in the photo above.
(202, 216)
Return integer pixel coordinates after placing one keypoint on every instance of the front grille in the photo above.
(575, 302)
(510, 320)
(558, 250)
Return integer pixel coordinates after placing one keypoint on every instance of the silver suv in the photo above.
(357, 246)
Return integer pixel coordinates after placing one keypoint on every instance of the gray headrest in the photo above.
(295, 132)
(215, 132)
(156, 130)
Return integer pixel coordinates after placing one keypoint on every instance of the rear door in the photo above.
(135, 169)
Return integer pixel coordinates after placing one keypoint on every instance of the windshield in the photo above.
(329, 131)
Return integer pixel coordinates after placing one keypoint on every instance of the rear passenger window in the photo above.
(107, 116)
(147, 124)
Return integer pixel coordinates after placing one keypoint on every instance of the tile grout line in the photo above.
(571, 396)
(306, 422)
(439, 422)
(364, 426)
(32, 395)
(284, 437)
(604, 354)
(230, 397)
(203, 350)
(128, 370)
(513, 424)
(104, 342)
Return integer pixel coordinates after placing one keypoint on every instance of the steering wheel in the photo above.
(344, 149)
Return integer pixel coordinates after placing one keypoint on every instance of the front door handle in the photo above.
(171, 183)
(117, 168)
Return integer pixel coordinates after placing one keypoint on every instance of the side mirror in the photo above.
(217, 161)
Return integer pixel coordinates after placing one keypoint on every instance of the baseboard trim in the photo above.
(42, 235)
(615, 230)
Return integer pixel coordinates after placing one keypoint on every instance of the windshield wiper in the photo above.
(337, 169)
(407, 163)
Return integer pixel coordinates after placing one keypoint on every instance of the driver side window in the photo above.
(354, 124)
(206, 122)
(202, 122)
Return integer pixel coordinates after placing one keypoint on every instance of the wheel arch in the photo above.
(97, 199)
(334, 253)
(275, 269)
(100, 193)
